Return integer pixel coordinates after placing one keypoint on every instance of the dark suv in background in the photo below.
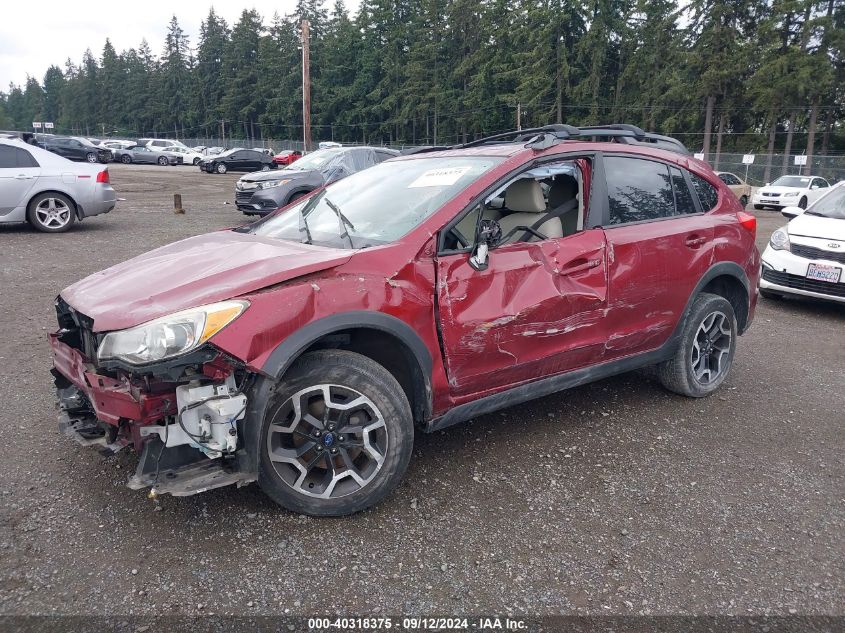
(76, 148)
(260, 193)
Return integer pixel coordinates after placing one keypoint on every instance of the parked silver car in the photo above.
(143, 154)
(48, 191)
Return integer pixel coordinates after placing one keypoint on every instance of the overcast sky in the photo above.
(33, 36)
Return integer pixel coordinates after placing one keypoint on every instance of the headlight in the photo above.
(269, 184)
(791, 194)
(170, 336)
(780, 240)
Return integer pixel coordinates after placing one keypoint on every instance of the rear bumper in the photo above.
(103, 201)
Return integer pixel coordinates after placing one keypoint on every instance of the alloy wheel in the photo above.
(91, 157)
(711, 348)
(52, 213)
(327, 441)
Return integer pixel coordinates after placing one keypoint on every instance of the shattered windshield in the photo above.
(377, 205)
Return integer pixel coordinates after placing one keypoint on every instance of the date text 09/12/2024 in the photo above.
(417, 623)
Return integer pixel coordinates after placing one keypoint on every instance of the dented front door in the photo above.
(537, 310)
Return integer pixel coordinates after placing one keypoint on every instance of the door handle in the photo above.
(695, 241)
(23, 177)
(584, 265)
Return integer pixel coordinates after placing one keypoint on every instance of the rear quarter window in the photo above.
(708, 195)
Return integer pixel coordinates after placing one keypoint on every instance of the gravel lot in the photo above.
(614, 498)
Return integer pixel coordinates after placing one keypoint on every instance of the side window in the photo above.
(8, 158)
(683, 196)
(545, 202)
(729, 179)
(820, 183)
(237, 156)
(24, 158)
(638, 190)
(707, 194)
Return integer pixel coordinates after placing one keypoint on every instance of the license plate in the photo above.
(823, 272)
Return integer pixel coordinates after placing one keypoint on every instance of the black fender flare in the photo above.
(720, 269)
(283, 356)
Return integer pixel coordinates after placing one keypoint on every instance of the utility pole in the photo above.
(518, 116)
(223, 132)
(306, 88)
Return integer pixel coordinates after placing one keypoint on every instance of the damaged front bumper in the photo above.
(186, 428)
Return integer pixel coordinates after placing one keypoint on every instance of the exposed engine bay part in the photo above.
(206, 418)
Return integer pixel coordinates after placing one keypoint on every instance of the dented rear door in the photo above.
(537, 310)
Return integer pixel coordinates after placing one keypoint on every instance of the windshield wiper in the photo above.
(342, 222)
(303, 226)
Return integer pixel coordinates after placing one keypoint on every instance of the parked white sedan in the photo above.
(189, 156)
(806, 257)
(49, 191)
(790, 191)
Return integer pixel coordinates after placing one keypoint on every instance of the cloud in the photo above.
(31, 40)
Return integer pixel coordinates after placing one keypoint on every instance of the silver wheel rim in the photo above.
(265, 168)
(711, 348)
(221, 169)
(327, 441)
(92, 158)
(52, 213)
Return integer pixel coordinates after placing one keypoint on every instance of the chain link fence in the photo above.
(768, 167)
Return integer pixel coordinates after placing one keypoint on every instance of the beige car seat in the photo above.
(525, 199)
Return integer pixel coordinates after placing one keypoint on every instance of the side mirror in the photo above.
(489, 234)
(791, 212)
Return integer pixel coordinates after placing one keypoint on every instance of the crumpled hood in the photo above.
(192, 272)
(817, 226)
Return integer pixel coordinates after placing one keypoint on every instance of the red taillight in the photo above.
(748, 222)
(103, 176)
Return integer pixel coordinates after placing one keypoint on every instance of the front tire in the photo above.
(803, 202)
(91, 157)
(265, 167)
(221, 168)
(706, 350)
(744, 201)
(771, 296)
(197, 161)
(758, 207)
(337, 435)
(125, 159)
(162, 161)
(51, 212)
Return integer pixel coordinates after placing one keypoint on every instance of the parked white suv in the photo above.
(807, 256)
(49, 191)
(790, 191)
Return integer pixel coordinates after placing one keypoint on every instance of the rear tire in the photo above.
(705, 353)
(758, 206)
(51, 212)
(331, 456)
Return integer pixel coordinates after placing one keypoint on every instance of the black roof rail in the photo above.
(547, 135)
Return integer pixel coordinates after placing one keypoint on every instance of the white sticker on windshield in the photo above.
(442, 177)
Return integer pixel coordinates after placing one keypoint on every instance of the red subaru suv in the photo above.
(301, 351)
